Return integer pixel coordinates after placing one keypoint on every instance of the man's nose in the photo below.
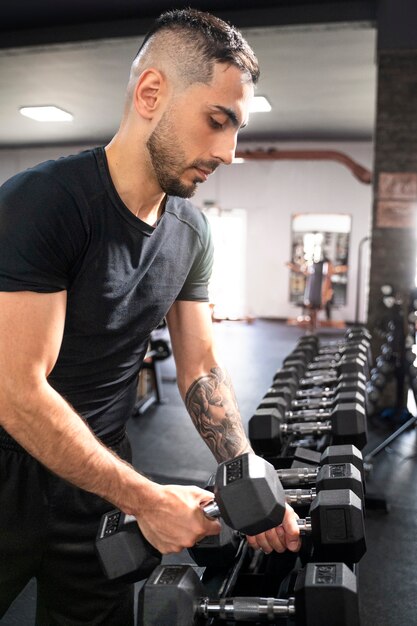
(225, 150)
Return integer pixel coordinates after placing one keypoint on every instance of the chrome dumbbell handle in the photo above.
(305, 526)
(247, 608)
(211, 509)
(308, 428)
(298, 475)
(300, 496)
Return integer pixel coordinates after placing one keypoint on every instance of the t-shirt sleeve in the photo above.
(196, 284)
(40, 234)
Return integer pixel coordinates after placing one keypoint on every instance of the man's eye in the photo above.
(215, 124)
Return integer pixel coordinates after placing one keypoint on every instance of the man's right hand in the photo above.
(171, 517)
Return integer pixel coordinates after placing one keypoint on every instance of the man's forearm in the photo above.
(50, 430)
(212, 404)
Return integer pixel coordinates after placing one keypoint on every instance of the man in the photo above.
(95, 250)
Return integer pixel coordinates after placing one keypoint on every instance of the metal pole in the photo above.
(358, 282)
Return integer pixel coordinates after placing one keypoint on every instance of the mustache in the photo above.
(209, 166)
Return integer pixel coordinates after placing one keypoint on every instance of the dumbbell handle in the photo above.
(322, 392)
(307, 428)
(307, 413)
(298, 475)
(322, 364)
(312, 373)
(246, 608)
(326, 377)
(211, 509)
(320, 379)
(321, 402)
(292, 496)
(305, 526)
(300, 496)
(341, 348)
(330, 393)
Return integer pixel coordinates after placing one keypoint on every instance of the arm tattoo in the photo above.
(212, 404)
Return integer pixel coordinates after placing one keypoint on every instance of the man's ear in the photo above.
(149, 92)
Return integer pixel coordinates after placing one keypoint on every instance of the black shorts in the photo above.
(47, 531)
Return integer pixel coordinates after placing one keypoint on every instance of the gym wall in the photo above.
(270, 192)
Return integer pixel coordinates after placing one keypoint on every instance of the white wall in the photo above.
(271, 191)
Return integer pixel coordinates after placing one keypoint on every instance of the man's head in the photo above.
(188, 43)
(191, 81)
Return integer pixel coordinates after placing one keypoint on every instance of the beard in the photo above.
(169, 161)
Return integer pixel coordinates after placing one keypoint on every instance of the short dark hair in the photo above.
(210, 39)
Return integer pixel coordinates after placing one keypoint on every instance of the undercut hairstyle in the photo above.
(188, 43)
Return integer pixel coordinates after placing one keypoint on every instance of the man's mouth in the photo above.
(204, 173)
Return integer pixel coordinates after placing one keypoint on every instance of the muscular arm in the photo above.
(31, 329)
(204, 385)
(211, 402)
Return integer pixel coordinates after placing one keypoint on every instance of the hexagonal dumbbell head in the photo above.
(326, 595)
(264, 431)
(169, 596)
(343, 453)
(338, 527)
(349, 422)
(340, 476)
(249, 494)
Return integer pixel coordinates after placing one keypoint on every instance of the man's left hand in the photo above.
(286, 536)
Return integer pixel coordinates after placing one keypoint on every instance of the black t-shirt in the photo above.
(64, 227)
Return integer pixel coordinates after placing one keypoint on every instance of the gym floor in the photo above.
(168, 449)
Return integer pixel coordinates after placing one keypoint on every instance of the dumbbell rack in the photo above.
(393, 361)
(273, 575)
(279, 569)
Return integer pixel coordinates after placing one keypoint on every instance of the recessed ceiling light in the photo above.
(259, 104)
(238, 160)
(46, 114)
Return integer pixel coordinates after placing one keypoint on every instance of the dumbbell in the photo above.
(351, 334)
(335, 526)
(324, 594)
(322, 349)
(291, 374)
(327, 478)
(247, 495)
(267, 429)
(348, 384)
(288, 390)
(354, 411)
(220, 550)
(313, 344)
(347, 417)
(358, 331)
(331, 377)
(328, 402)
(334, 473)
(314, 356)
(308, 462)
(346, 364)
(283, 395)
(347, 409)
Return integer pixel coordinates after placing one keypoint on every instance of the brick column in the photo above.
(394, 240)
